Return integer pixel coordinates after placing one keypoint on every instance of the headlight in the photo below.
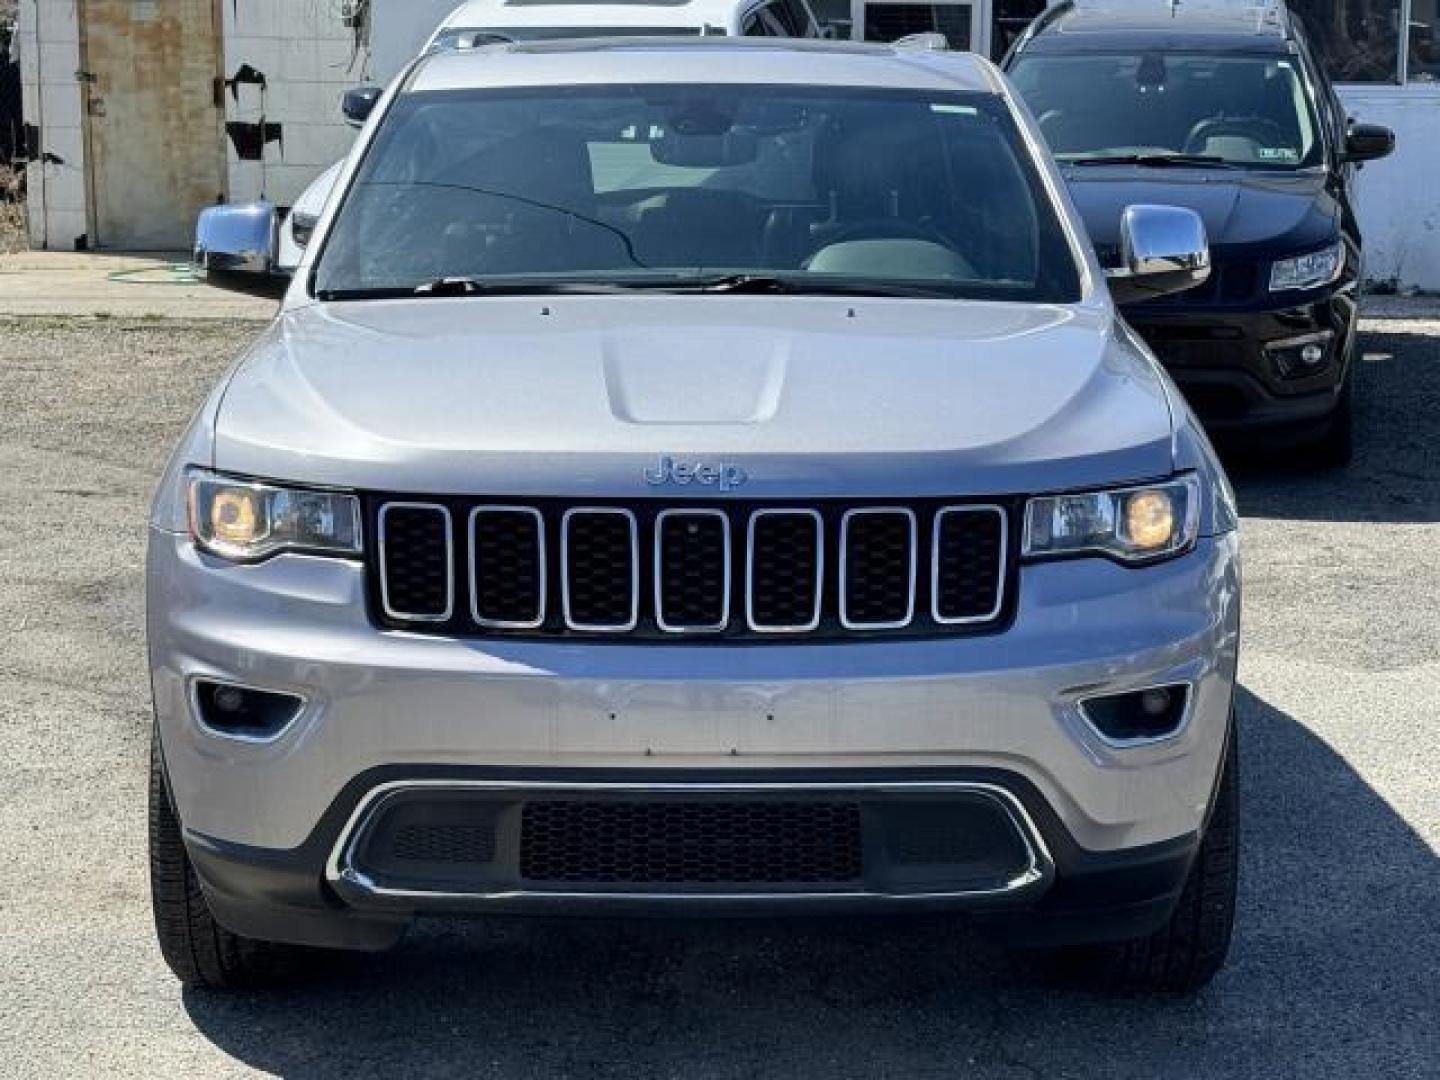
(244, 520)
(1308, 271)
(1134, 525)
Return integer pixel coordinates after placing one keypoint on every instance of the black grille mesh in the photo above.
(968, 575)
(660, 573)
(692, 570)
(444, 843)
(785, 558)
(417, 561)
(690, 843)
(600, 569)
(507, 566)
(879, 547)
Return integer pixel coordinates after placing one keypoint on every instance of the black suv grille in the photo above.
(745, 571)
(690, 843)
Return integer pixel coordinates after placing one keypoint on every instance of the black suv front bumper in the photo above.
(1237, 365)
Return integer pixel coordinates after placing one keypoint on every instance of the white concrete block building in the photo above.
(143, 111)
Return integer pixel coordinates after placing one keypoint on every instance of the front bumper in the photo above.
(1224, 359)
(264, 820)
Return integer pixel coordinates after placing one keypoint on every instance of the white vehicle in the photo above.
(488, 22)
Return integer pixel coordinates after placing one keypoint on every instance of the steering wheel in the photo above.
(1255, 128)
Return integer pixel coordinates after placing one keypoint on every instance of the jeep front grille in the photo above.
(743, 571)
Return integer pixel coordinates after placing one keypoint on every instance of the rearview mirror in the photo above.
(1163, 249)
(1366, 142)
(359, 102)
(705, 150)
(235, 249)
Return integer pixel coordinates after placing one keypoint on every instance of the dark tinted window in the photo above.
(1246, 110)
(648, 184)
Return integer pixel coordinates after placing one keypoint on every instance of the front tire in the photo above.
(198, 949)
(1190, 949)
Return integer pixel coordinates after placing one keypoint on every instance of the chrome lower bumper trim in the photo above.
(340, 868)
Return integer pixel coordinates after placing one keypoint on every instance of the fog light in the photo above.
(243, 712)
(1139, 715)
(1300, 358)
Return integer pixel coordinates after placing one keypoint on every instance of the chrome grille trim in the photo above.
(659, 575)
(600, 628)
(849, 515)
(404, 616)
(543, 598)
(814, 622)
(1001, 573)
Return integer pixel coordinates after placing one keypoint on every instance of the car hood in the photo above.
(1244, 213)
(577, 396)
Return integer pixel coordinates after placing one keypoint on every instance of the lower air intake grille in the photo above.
(690, 843)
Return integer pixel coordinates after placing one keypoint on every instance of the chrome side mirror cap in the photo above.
(235, 249)
(1163, 249)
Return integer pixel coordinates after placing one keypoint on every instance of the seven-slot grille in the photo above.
(755, 572)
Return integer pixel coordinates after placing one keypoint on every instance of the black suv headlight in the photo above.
(245, 520)
(1133, 524)
(1308, 271)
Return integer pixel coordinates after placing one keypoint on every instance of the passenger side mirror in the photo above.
(235, 249)
(1366, 142)
(359, 102)
(1163, 249)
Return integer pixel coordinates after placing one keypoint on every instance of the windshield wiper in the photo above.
(765, 283)
(468, 286)
(1159, 161)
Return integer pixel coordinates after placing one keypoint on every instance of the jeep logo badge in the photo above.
(669, 471)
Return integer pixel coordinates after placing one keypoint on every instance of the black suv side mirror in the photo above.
(1366, 142)
(359, 102)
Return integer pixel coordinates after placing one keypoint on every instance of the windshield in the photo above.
(656, 185)
(1250, 111)
(473, 37)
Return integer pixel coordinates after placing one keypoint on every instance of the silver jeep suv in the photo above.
(706, 477)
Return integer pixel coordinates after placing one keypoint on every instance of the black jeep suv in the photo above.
(1221, 108)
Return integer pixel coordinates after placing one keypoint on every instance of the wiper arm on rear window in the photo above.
(1159, 161)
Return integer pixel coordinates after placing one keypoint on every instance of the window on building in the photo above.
(1357, 40)
(1424, 46)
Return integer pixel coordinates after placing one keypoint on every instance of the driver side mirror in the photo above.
(235, 249)
(1366, 142)
(359, 102)
(1163, 249)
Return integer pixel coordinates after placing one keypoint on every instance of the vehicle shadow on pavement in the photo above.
(1332, 974)
(1396, 472)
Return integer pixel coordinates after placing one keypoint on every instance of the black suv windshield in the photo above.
(753, 188)
(1250, 111)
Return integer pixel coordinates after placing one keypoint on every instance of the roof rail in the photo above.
(1266, 14)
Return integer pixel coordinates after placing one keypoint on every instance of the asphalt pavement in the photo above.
(1335, 970)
